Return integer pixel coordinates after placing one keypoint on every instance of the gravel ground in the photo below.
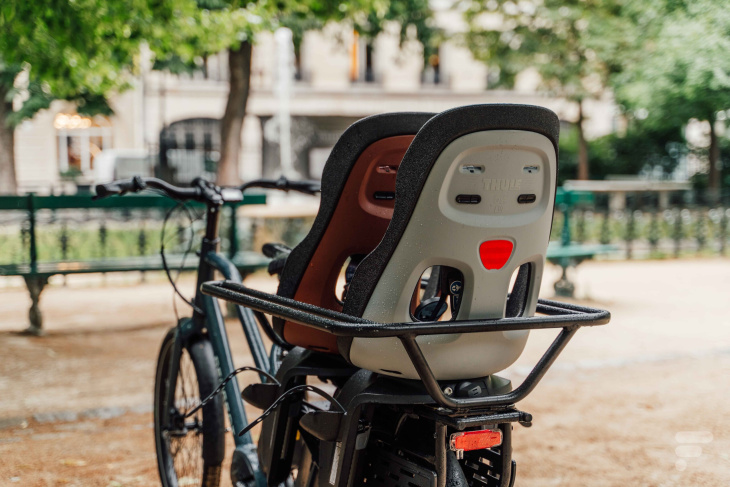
(642, 401)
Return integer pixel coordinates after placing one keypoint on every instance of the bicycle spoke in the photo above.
(186, 445)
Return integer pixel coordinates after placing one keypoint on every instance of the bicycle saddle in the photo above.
(475, 194)
(358, 189)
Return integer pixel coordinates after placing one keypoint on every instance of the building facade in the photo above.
(338, 79)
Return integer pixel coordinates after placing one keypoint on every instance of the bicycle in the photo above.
(410, 408)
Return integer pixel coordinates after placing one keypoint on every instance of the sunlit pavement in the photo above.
(660, 310)
(614, 410)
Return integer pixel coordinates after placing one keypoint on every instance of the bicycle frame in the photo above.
(337, 432)
(211, 319)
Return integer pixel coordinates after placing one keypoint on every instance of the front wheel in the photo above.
(189, 450)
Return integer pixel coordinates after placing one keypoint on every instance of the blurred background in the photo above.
(92, 90)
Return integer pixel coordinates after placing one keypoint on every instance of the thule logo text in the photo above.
(502, 184)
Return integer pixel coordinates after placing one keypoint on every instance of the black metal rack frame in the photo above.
(556, 315)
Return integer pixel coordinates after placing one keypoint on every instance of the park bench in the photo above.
(565, 252)
(36, 263)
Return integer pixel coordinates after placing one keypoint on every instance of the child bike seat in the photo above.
(358, 189)
(474, 193)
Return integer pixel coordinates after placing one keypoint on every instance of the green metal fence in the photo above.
(59, 228)
(678, 230)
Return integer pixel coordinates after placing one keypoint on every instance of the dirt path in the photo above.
(616, 427)
(74, 405)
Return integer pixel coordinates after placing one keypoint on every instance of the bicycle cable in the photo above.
(280, 400)
(225, 381)
(166, 268)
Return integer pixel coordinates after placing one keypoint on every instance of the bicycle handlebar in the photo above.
(137, 184)
(284, 184)
(202, 190)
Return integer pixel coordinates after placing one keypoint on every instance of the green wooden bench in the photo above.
(36, 269)
(567, 253)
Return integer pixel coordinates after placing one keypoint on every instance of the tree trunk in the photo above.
(239, 67)
(713, 182)
(8, 183)
(583, 172)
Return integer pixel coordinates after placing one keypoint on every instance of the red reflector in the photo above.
(475, 440)
(495, 253)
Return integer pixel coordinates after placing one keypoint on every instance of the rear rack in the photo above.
(555, 314)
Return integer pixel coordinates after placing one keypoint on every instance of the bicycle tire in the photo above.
(190, 457)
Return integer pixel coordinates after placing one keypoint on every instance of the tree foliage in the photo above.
(226, 24)
(76, 50)
(80, 50)
(572, 46)
(570, 43)
(413, 16)
(213, 26)
(645, 149)
(86, 50)
(221, 24)
(681, 69)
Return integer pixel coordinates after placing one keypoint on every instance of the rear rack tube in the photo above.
(565, 316)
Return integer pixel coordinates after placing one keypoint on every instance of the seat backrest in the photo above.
(475, 192)
(358, 190)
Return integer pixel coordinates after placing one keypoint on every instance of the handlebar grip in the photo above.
(283, 184)
(200, 191)
(120, 187)
(105, 190)
(306, 186)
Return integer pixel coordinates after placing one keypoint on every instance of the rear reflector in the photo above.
(495, 253)
(474, 440)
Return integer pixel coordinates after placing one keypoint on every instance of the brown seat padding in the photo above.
(351, 220)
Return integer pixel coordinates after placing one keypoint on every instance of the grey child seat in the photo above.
(474, 193)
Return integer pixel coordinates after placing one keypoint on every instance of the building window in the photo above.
(188, 149)
(298, 76)
(80, 140)
(369, 74)
(361, 60)
(432, 71)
